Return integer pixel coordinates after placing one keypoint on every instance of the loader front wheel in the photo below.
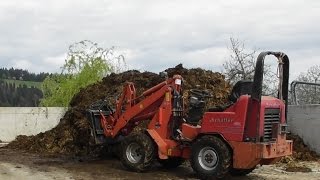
(137, 152)
(210, 157)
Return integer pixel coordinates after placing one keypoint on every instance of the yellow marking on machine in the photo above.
(167, 96)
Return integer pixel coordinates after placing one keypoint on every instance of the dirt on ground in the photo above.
(72, 134)
(16, 164)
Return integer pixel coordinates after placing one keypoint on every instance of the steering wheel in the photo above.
(201, 93)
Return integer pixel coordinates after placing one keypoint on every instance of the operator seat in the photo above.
(242, 87)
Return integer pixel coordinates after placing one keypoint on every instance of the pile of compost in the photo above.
(72, 134)
(301, 151)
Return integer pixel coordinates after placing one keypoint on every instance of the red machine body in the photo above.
(252, 128)
(231, 126)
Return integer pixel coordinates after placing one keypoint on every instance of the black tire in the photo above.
(137, 152)
(210, 157)
(172, 162)
(240, 172)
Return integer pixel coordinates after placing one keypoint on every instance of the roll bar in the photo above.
(258, 75)
(284, 76)
(253, 115)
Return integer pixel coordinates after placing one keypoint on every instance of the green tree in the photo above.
(86, 63)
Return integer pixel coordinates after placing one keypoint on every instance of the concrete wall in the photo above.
(27, 120)
(304, 120)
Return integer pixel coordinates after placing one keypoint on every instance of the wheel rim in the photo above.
(134, 153)
(208, 158)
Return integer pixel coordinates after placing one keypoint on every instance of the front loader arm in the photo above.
(137, 109)
(127, 97)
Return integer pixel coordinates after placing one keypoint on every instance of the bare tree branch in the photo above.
(308, 94)
(241, 66)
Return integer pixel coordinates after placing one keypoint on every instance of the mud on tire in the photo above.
(137, 152)
(210, 157)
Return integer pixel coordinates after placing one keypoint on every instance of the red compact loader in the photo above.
(232, 138)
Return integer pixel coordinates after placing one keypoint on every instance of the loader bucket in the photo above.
(96, 128)
(94, 116)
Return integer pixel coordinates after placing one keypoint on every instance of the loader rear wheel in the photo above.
(240, 172)
(210, 157)
(171, 163)
(137, 152)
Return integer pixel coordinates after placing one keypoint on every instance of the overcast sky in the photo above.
(154, 35)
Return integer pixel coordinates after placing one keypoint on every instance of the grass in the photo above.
(29, 84)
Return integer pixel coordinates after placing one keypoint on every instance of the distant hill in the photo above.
(29, 84)
(20, 88)
(23, 75)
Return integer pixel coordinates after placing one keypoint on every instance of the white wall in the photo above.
(304, 120)
(27, 120)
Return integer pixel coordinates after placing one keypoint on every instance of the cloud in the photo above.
(56, 61)
(155, 35)
(22, 64)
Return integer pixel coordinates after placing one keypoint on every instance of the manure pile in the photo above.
(301, 151)
(72, 134)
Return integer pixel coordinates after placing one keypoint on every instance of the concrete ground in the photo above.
(19, 165)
